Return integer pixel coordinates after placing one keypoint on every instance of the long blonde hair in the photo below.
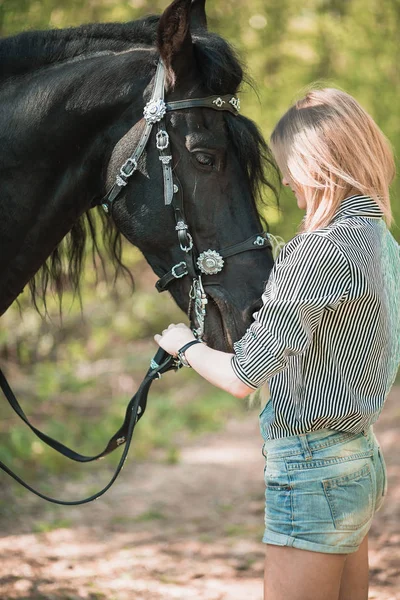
(329, 147)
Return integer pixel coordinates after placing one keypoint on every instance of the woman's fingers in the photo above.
(174, 337)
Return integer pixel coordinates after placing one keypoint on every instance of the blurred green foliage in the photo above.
(76, 374)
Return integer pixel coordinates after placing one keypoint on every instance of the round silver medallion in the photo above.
(154, 110)
(210, 262)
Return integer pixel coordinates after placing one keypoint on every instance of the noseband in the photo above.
(208, 262)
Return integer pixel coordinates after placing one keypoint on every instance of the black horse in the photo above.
(71, 113)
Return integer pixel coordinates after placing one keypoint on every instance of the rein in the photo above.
(208, 262)
(161, 363)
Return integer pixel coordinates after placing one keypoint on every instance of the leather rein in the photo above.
(209, 262)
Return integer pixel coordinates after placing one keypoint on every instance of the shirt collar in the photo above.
(359, 205)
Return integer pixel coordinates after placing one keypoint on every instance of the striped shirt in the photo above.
(327, 337)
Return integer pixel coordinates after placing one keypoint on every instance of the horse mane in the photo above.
(221, 73)
(32, 50)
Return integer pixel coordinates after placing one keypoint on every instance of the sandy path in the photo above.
(186, 531)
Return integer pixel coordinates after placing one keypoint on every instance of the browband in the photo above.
(154, 112)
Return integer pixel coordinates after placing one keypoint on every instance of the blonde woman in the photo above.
(327, 341)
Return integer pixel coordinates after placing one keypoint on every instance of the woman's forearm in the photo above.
(215, 366)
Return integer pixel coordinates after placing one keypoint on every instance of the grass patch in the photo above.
(150, 515)
(46, 526)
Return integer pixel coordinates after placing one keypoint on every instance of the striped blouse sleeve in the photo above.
(306, 280)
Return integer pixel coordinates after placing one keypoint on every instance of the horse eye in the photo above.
(207, 160)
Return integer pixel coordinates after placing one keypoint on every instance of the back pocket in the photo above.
(350, 498)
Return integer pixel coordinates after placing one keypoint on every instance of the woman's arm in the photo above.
(213, 365)
(304, 282)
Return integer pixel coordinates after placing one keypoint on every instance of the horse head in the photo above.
(216, 157)
(91, 122)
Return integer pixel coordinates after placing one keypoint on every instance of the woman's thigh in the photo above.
(301, 574)
(355, 576)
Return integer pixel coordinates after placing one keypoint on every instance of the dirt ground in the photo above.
(190, 530)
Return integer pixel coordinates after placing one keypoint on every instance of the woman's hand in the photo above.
(174, 337)
(213, 365)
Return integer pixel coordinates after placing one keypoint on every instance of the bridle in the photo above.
(208, 262)
(194, 264)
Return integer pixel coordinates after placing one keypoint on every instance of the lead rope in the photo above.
(161, 363)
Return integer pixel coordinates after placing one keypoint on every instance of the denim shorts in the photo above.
(322, 489)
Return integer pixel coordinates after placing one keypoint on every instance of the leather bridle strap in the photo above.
(131, 164)
(255, 242)
(226, 103)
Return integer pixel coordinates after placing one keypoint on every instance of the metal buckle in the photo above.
(177, 275)
(162, 140)
(132, 163)
(187, 248)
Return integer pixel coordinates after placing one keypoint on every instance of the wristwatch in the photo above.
(181, 352)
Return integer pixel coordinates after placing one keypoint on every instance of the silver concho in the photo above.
(235, 103)
(154, 110)
(210, 262)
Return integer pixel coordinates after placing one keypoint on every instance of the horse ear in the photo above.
(173, 38)
(198, 18)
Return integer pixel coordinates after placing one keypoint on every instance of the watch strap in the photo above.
(181, 352)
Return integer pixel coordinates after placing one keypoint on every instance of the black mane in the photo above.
(31, 50)
(221, 73)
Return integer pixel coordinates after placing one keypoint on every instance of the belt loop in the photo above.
(366, 431)
(306, 448)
